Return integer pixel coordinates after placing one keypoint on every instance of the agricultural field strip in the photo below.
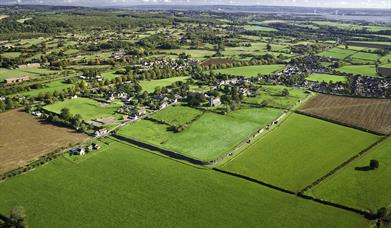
(345, 106)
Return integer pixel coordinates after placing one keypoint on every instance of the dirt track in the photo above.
(24, 138)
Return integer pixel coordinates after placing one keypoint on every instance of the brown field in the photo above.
(364, 113)
(384, 71)
(24, 138)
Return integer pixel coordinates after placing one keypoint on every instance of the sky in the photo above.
(385, 4)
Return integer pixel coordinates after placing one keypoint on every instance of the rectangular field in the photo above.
(299, 151)
(357, 185)
(150, 86)
(208, 137)
(366, 70)
(251, 71)
(328, 78)
(124, 185)
(364, 113)
(24, 138)
(177, 115)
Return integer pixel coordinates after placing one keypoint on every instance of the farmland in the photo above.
(177, 115)
(157, 192)
(367, 70)
(150, 86)
(88, 109)
(259, 28)
(371, 114)
(251, 71)
(357, 185)
(299, 151)
(326, 78)
(208, 137)
(49, 87)
(21, 144)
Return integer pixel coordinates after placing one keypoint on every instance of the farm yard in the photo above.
(371, 114)
(205, 139)
(24, 139)
(251, 71)
(357, 185)
(298, 152)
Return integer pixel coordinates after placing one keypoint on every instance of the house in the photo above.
(77, 151)
(101, 132)
(133, 118)
(214, 101)
(16, 79)
(37, 113)
(163, 105)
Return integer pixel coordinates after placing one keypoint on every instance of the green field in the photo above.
(251, 71)
(50, 87)
(299, 151)
(124, 185)
(326, 78)
(367, 70)
(177, 115)
(88, 109)
(11, 55)
(259, 28)
(365, 189)
(272, 94)
(338, 53)
(150, 86)
(206, 138)
(6, 73)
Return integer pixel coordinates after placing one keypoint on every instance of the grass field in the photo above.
(272, 94)
(367, 70)
(259, 28)
(51, 87)
(338, 53)
(20, 142)
(177, 115)
(251, 71)
(365, 189)
(89, 109)
(6, 73)
(124, 185)
(299, 151)
(11, 55)
(206, 138)
(326, 78)
(150, 86)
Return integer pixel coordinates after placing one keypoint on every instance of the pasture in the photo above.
(366, 70)
(208, 137)
(251, 71)
(177, 115)
(88, 109)
(151, 85)
(337, 53)
(365, 113)
(357, 185)
(49, 87)
(124, 185)
(259, 28)
(328, 78)
(21, 144)
(299, 151)
(6, 73)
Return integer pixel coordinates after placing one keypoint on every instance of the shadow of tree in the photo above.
(363, 168)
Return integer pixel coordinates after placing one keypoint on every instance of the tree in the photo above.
(285, 92)
(268, 47)
(17, 218)
(65, 114)
(374, 164)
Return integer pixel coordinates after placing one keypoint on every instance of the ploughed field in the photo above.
(299, 151)
(365, 113)
(24, 138)
(122, 185)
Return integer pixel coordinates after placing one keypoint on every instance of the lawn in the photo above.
(272, 94)
(150, 86)
(251, 71)
(177, 115)
(367, 70)
(326, 78)
(299, 151)
(124, 185)
(89, 109)
(208, 137)
(359, 188)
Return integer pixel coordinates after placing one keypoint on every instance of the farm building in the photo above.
(214, 101)
(16, 80)
(29, 65)
(78, 151)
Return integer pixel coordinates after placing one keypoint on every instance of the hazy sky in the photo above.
(310, 3)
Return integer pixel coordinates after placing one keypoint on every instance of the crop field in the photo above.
(21, 143)
(366, 70)
(273, 96)
(251, 71)
(357, 185)
(88, 109)
(299, 151)
(326, 78)
(157, 192)
(150, 86)
(208, 137)
(177, 115)
(365, 113)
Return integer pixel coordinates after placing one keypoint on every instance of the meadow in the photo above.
(338, 53)
(367, 70)
(6, 73)
(259, 28)
(208, 137)
(88, 109)
(151, 85)
(251, 71)
(49, 87)
(299, 151)
(177, 115)
(272, 95)
(328, 78)
(124, 185)
(358, 186)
